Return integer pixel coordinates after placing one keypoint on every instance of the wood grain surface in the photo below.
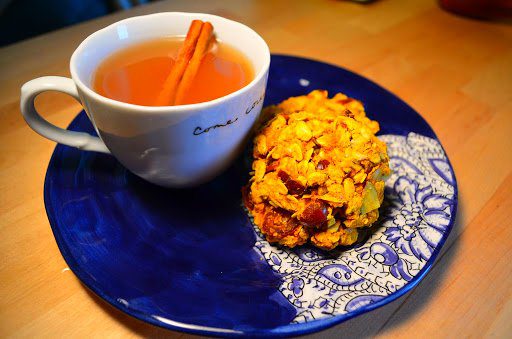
(455, 71)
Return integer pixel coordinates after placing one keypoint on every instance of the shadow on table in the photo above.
(364, 325)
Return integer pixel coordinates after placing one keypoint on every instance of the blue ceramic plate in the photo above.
(190, 259)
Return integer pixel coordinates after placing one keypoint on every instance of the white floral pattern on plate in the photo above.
(419, 205)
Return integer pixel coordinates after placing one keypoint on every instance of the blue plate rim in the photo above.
(281, 331)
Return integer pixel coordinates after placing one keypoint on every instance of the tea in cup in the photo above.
(121, 75)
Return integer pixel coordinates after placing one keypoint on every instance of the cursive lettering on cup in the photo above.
(254, 104)
(199, 130)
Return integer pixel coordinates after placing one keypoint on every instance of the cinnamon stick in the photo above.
(202, 47)
(168, 94)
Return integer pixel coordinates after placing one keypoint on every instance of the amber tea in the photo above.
(137, 74)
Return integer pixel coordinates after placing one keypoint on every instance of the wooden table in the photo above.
(455, 71)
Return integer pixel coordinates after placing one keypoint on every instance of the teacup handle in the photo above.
(29, 92)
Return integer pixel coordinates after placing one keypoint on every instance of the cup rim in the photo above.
(166, 109)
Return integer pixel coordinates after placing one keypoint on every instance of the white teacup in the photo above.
(172, 146)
